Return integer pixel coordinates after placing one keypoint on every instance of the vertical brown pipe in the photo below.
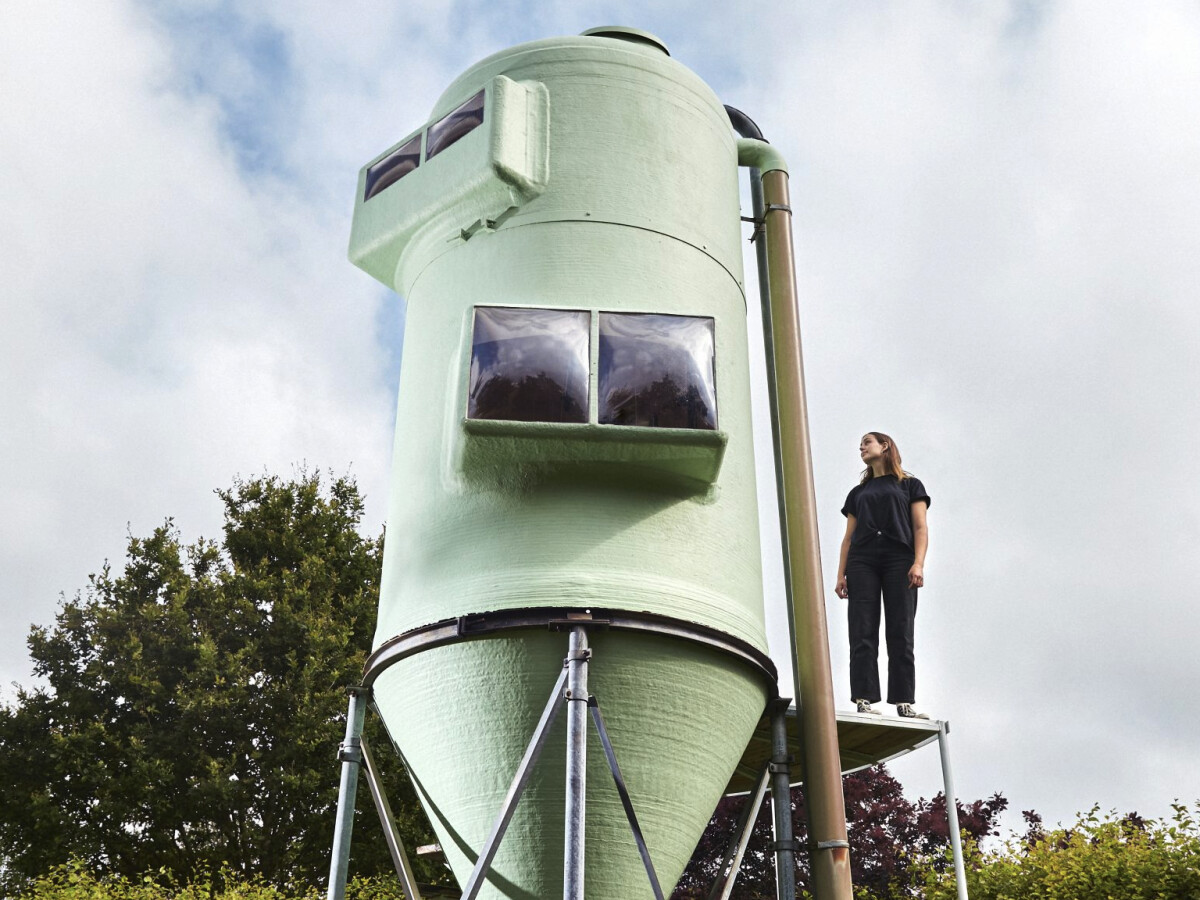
(814, 681)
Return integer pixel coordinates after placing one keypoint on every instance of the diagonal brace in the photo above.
(623, 791)
(520, 780)
(731, 863)
(395, 845)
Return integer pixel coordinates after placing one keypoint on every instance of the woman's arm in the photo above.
(916, 575)
(840, 588)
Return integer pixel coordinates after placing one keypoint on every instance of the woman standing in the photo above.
(883, 553)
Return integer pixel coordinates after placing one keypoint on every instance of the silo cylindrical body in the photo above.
(573, 432)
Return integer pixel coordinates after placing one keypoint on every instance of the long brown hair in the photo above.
(891, 459)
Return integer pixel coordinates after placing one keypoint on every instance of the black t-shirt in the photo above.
(882, 507)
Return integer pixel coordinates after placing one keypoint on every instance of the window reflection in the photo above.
(454, 125)
(393, 167)
(529, 365)
(657, 371)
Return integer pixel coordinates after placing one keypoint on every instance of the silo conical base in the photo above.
(679, 715)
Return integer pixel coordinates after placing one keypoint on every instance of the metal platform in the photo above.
(864, 740)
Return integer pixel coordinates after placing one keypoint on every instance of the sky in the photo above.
(996, 215)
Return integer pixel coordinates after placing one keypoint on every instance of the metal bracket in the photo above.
(831, 845)
(487, 225)
(759, 226)
(349, 751)
(583, 656)
(791, 844)
(781, 207)
(784, 768)
(572, 621)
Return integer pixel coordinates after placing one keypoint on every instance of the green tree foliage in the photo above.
(193, 703)
(75, 881)
(1127, 857)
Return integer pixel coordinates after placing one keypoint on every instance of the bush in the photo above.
(1130, 858)
(74, 881)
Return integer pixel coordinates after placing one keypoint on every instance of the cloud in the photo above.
(996, 207)
(994, 217)
(172, 320)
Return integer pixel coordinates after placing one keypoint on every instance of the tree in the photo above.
(193, 703)
(890, 837)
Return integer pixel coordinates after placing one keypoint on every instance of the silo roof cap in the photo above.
(624, 33)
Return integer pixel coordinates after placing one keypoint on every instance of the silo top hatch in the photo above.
(624, 33)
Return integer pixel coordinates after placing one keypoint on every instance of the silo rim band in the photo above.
(556, 618)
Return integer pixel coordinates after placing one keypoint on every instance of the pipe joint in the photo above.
(760, 155)
(831, 845)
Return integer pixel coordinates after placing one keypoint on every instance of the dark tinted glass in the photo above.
(529, 365)
(657, 371)
(448, 129)
(393, 167)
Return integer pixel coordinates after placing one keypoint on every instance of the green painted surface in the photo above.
(603, 178)
(664, 458)
(463, 715)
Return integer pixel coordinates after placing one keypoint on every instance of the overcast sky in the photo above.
(997, 212)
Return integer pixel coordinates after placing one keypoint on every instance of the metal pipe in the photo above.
(960, 874)
(781, 803)
(732, 861)
(577, 714)
(747, 128)
(811, 666)
(757, 153)
(806, 620)
(387, 819)
(350, 754)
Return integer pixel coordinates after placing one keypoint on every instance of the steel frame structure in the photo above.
(570, 689)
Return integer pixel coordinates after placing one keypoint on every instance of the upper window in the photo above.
(440, 135)
(529, 365)
(657, 371)
(393, 167)
(454, 125)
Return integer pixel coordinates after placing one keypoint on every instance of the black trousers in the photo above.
(880, 567)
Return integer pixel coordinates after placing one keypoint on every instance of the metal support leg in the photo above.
(520, 779)
(350, 755)
(960, 874)
(731, 864)
(577, 715)
(395, 846)
(781, 803)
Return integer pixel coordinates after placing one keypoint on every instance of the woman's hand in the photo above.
(916, 576)
(841, 590)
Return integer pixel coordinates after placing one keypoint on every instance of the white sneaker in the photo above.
(905, 711)
(864, 706)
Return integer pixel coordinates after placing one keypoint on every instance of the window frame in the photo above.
(593, 382)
